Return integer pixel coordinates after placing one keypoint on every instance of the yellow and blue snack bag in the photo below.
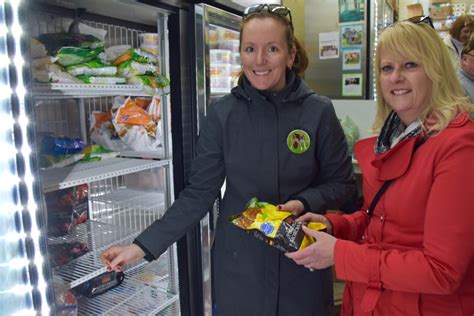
(277, 228)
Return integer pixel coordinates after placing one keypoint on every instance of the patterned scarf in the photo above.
(393, 128)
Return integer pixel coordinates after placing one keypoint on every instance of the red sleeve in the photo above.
(348, 226)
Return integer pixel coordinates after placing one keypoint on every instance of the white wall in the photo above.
(362, 112)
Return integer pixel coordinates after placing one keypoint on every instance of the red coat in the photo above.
(416, 256)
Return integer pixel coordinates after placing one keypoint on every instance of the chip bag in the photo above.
(277, 228)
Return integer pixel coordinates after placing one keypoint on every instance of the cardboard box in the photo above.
(440, 12)
(414, 10)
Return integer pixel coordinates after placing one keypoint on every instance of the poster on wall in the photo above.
(351, 11)
(352, 85)
(351, 35)
(329, 45)
(351, 58)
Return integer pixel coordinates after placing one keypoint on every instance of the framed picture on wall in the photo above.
(352, 35)
(329, 45)
(351, 58)
(352, 85)
(351, 11)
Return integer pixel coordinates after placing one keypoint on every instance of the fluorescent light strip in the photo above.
(376, 39)
(26, 151)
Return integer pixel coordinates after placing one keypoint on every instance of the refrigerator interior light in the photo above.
(18, 201)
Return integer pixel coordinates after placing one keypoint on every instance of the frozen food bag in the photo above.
(136, 54)
(112, 80)
(93, 67)
(66, 208)
(277, 228)
(132, 68)
(55, 41)
(67, 56)
(63, 253)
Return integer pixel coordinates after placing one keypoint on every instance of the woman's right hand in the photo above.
(117, 256)
(311, 217)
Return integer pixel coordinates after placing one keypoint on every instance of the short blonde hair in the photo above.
(421, 44)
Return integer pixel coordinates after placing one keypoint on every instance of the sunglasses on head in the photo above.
(422, 19)
(274, 9)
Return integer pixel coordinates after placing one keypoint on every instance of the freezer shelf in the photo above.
(75, 90)
(98, 236)
(61, 178)
(144, 292)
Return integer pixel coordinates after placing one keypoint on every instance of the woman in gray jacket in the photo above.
(273, 138)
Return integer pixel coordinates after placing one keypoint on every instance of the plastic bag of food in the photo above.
(63, 253)
(57, 74)
(150, 83)
(60, 146)
(351, 132)
(37, 49)
(94, 67)
(103, 132)
(277, 228)
(132, 68)
(54, 42)
(66, 208)
(68, 56)
(136, 127)
(137, 55)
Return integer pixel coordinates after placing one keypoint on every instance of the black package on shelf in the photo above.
(66, 208)
(100, 284)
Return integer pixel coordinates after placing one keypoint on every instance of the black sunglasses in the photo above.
(274, 9)
(422, 19)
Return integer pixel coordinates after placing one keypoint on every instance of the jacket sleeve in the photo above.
(205, 181)
(348, 226)
(335, 184)
(448, 251)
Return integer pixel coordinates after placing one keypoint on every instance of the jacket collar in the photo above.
(395, 162)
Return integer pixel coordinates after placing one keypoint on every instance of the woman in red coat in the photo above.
(415, 254)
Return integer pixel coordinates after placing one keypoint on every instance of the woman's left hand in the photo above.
(294, 206)
(318, 255)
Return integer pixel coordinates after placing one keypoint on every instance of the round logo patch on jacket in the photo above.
(298, 141)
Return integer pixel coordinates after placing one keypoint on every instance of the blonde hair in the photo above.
(421, 44)
(301, 59)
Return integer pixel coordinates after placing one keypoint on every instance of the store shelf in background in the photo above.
(61, 178)
(68, 90)
(143, 154)
(144, 292)
(131, 208)
(98, 236)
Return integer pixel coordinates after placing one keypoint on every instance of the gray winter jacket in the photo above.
(244, 140)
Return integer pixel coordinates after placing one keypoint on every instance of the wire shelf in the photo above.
(130, 208)
(75, 90)
(145, 291)
(98, 236)
(61, 178)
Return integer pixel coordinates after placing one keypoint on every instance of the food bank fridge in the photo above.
(89, 159)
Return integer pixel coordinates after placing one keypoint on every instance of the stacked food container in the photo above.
(224, 59)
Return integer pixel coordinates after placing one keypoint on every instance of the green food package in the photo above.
(68, 56)
(276, 228)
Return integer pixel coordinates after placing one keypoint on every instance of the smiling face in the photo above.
(264, 53)
(405, 86)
